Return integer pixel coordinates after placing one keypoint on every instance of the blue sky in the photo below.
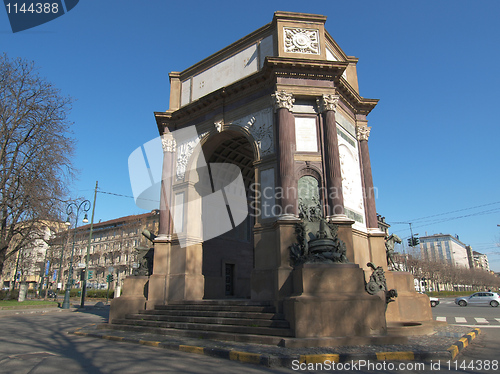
(433, 65)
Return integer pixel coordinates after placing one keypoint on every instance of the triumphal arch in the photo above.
(266, 159)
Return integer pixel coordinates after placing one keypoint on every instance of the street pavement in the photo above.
(38, 342)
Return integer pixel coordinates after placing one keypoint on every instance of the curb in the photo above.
(16, 312)
(28, 307)
(286, 361)
(463, 342)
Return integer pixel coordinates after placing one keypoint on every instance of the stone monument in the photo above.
(283, 106)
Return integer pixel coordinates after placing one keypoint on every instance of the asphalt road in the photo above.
(477, 316)
(39, 343)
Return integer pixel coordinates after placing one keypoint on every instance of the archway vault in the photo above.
(228, 258)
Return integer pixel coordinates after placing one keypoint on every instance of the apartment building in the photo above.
(446, 248)
(31, 262)
(480, 261)
(112, 248)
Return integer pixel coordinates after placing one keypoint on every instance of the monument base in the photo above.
(330, 301)
(133, 299)
(410, 306)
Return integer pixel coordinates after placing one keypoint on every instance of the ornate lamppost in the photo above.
(85, 206)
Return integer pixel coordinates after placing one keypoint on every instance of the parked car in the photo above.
(51, 294)
(434, 301)
(479, 298)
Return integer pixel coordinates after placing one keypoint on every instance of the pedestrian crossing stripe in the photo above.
(476, 320)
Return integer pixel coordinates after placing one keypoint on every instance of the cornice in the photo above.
(265, 79)
(247, 85)
(357, 104)
(326, 70)
(162, 119)
(298, 17)
(315, 68)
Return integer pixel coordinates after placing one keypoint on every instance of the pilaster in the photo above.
(165, 226)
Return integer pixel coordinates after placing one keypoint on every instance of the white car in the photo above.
(434, 301)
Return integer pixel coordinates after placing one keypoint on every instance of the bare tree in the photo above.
(35, 154)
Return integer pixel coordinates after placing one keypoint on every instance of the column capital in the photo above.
(168, 143)
(283, 99)
(327, 102)
(363, 132)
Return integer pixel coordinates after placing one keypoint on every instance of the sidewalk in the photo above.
(445, 344)
(21, 309)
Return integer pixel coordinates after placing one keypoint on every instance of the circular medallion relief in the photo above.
(301, 40)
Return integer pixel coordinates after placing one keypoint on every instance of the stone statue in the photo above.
(378, 283)
(318, 242)
(145, 257)
(317, 239)
(389, 250)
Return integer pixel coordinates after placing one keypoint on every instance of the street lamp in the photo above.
(86, 277)
(85, 206)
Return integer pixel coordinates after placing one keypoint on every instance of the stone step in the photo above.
(238, 302)
(226, 308)
(204, 319)
(215, 314)
(198, 334)
(235, 329)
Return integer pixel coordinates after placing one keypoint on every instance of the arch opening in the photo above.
(228, 259)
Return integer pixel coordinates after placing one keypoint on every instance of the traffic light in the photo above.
(91, 274)
(413, 241)
(82, 275)
(110, 278)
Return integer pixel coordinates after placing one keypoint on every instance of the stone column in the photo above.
(327, 105)
(363, 132)
(283, 104)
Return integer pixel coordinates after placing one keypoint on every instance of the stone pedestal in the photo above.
(345, 234)
(177, 274)
(410, 306)
(330, 301)
(376, 242)
(271, 276)
(185, 279)
(133, 298)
